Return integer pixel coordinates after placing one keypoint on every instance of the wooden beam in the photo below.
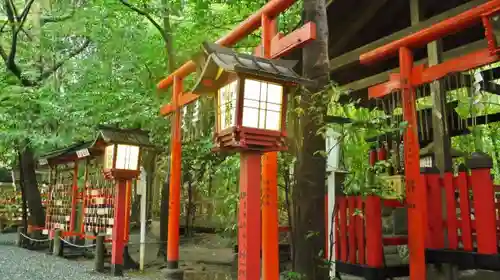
(384, 76)
(352, 57)
(368, 12)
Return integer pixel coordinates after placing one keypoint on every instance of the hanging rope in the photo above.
(34, 240)
(75, 245)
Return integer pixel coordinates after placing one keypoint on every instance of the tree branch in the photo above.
(148, 16)
(13, 19)
(52, 19)
(58, 65)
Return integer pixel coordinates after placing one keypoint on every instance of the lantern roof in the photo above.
(216, 63)
(124, 136)
(429, 151)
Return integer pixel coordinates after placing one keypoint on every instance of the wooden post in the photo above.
(99, 253)
(128, 199)
(415, 191)
(74, 196)
(142, 186)
(373, 220)
(440, 131)
(57, 249)
(20, 237)
(118, 232)
(249, 217)
(484, 202)
(173, 271)
(84, 195)
(270, 235)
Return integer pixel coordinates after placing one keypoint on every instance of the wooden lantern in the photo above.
(250, 97)
(122, 151)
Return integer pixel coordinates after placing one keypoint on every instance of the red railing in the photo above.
(472, 212)
(358, 230)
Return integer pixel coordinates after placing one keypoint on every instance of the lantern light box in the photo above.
(250, 97)
(122, 151)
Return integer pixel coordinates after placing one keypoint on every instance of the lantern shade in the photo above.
(109, 156)
(122, 151)
(262, 105)
(250, 97)
(121, 157)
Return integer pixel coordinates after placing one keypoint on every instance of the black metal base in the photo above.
(128, 262)
(116, 269)
(464, 260)
(172, 264)
(173, 273)
(372, 273)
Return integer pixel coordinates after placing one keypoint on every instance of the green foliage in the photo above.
(98, 62)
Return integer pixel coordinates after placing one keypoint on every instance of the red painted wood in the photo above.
(373, 157)
(175, 181)
(295, 40)
(373, 221)
(432, 33)
(396, 240)
(465, 222)
(252, 23)
(249, 219)
(351, 201)
(327, 231)
(270, 222)
(360, 230)
(74, 195)
(383, 89)
(393, 203)
(484, 210)
(119, 222)
(337, 230)
(343, 228)
(382, 153)
(435, 233)
(422, 75)
(415, 190)
(451, 210)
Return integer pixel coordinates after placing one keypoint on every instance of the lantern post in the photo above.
(250, 104)
(121, 164)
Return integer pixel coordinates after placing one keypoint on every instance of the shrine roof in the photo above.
(356, 27)
(68, 151)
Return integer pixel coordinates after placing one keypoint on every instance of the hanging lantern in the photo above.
(250, 97)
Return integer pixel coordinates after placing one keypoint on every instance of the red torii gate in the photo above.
(274, 45)
(411, 76)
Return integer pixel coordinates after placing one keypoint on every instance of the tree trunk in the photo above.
(162, 250)
(188, 208)
(309, 193)
(30, 186)
(167, 29)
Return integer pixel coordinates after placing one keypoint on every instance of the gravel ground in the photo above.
(21, 264)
